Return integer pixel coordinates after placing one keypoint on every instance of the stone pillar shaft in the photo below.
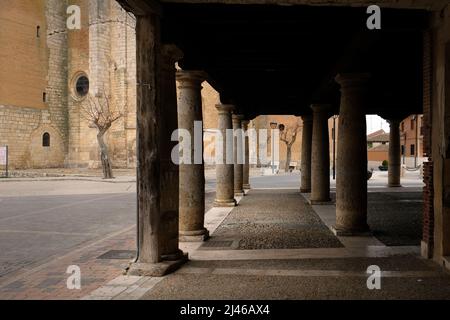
(238, 156)
(320, 156)
(247, 186)
(394, 154)
(351, 180)
(224, 169)
(306, 154)
(192, 176)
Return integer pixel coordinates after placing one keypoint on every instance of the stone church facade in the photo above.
(46, 71)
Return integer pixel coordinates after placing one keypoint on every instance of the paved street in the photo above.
(36, 228)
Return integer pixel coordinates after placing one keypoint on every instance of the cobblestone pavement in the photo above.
(396, 218)
(273, 219)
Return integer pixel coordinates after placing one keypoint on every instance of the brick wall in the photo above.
(428, 190)
(428, 209)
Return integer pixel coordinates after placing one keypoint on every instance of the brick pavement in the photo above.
(48, 281)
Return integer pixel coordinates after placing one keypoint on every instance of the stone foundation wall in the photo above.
(22, 129)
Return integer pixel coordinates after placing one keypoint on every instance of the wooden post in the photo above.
(148, 51)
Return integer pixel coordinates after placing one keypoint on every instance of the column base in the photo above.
(320, 202)
(194, 236)
(426, 250)
(394, 185)
(173, 256)
(247, 186)
(239, 193)
(225, 203)
(362, 232)
(160, 269)
(302, 190)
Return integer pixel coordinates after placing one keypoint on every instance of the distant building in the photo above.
(411, 140)
(378, 148)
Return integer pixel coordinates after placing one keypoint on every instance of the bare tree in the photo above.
(101, 114)
(289, 135)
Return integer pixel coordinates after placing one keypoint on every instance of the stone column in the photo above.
(306, 154)
(395, 156)
(154, 168)
(351, 169)
(224, 168)
(320, 156)
(192, 176)
(247, 186)
(169, 244)
(238, 156)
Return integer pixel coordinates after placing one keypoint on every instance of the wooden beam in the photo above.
(141, 7)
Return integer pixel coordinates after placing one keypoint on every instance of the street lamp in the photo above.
(273, 126)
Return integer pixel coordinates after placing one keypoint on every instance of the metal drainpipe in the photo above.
(417, 141)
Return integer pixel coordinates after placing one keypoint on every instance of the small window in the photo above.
(403, 150)
(412, 124)
(46, 140)
(413, 150)
(82, 86)
(38, 31)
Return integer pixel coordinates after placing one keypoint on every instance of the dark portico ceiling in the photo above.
(279, 60)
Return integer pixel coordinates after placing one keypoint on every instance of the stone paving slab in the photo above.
(394, 263)
(310, 253)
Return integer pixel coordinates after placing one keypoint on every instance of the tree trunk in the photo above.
(104, 156)
(288, 157)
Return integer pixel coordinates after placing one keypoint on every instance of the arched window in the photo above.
(82, 86)
(46, 140)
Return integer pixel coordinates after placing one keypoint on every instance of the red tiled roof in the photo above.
(376, 133)
(379, 138)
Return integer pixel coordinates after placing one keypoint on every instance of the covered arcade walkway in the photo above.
(307, 59)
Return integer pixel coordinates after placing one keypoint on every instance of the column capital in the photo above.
(170, 55)
(349, 80)
(321, 108)
(225, 108)
(245, 123)
(188, 78)
(238, 118)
